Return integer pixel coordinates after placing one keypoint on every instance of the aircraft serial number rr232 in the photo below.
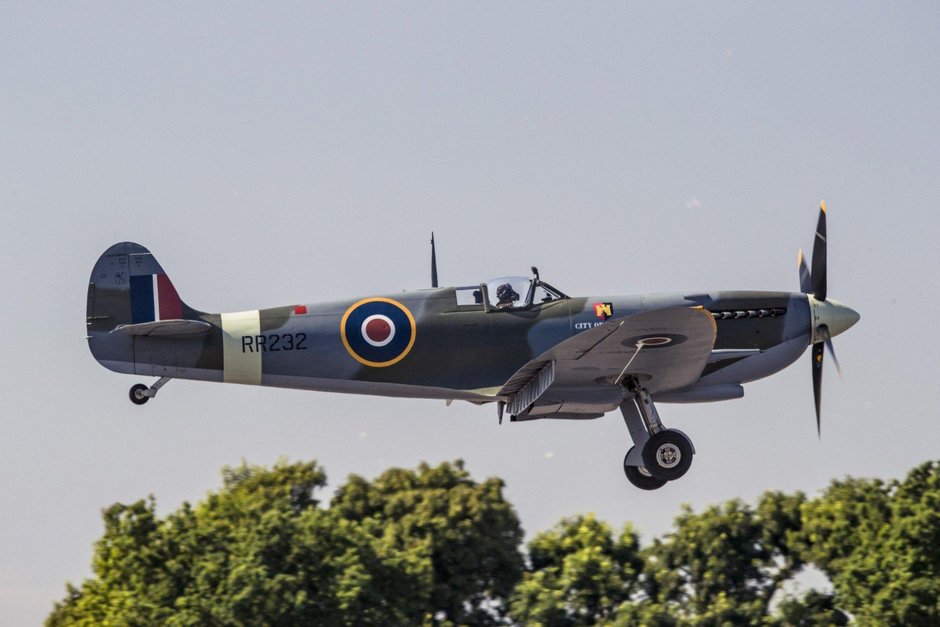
(274, 342)
(516, 342)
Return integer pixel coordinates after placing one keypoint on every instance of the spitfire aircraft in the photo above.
(516, 342)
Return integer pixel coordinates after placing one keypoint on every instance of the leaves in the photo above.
(433, 546)
(258, 552)
(469, 531)
(579, 574)
(880, 545)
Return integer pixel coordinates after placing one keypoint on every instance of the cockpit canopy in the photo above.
(509, 293)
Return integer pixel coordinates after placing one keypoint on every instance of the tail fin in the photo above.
(128, 286)
(137, 322)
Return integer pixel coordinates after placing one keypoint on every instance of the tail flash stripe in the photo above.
(153, 298)
(142, 298)
(171, 307)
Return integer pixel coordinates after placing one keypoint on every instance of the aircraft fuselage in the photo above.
(514, 341)
(453, 352)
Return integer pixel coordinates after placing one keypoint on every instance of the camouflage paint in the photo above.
(452, 351)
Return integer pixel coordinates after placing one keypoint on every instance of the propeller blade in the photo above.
(806, 281)
(818, 348)
(433, 262)
(819, 255)
(827, 338)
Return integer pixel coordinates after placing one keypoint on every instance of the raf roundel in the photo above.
(378, 332)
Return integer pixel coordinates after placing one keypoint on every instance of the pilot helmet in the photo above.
(505, 293)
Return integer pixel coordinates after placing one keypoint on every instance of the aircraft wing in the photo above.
(664, 349)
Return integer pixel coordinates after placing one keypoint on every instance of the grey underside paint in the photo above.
(395, 390)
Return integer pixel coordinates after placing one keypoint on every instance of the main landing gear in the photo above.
(658, 454)
(140, 393)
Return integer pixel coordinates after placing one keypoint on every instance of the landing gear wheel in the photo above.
(138, 394)
(667, 455)
(640, 477)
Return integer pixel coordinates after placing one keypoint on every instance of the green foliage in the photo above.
(579, 574)
(257, 552)
(815, 608)
(880, 545)
(470, 531)
(432, 546)
(726, 564)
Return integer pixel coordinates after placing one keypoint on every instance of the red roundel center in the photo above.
(378, 330)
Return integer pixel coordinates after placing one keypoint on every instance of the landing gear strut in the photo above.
(658, 454)
(140, 393)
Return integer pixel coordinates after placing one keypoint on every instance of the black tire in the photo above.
(640, 477)
(667, 455)
(137, 394)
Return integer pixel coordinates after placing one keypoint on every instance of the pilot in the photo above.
(506, 296)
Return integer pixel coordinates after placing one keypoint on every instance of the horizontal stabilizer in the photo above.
(164, 328)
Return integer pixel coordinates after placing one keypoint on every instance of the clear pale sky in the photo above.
(304, 152)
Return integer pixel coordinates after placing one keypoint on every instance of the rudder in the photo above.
(136, 321)
(128, 286)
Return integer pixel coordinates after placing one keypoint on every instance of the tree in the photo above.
(401, 550)
(815, 608)
(470, 531)
(880, 545)
(728, 565)
(257, 552)
(433, 546)
(578, 574)
(724, 566)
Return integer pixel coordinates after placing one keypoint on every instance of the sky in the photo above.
(303, 152)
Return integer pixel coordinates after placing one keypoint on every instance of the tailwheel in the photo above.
(667, 455)
(138, 394)
(640, 476)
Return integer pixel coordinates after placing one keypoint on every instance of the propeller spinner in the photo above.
(830, 317)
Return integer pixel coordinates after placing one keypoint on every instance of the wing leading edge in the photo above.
(664, 350)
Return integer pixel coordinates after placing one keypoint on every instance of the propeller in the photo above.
(819, 255)
(433, 262)
(806, 282)
(829, 317)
